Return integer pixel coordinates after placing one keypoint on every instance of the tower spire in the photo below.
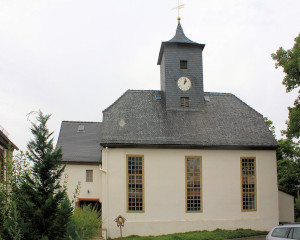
(179, 35)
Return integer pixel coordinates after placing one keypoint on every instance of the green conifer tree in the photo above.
(42, 201)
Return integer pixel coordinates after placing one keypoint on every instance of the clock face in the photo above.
(184, 83)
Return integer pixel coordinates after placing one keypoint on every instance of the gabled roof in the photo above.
(139, 118)
(80, 145)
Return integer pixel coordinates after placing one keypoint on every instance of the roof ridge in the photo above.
(218, 93)
(136, 90)
(79, 121)
(130, 91)
(248, 105)
(115, 101)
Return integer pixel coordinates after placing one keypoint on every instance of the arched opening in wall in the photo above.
(93, 202)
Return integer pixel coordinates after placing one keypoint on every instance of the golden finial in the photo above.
(178, 8)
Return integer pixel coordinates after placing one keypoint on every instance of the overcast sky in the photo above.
(74, 58)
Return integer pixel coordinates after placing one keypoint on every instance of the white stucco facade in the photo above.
(164, 184)
(75, 173)
(286, 207)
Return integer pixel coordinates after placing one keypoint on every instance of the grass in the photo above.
(217, 234)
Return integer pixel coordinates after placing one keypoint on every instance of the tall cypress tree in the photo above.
(42, 201)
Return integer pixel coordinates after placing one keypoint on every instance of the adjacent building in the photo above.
(6, 150)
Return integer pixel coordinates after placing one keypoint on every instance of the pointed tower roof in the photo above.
(179, 38)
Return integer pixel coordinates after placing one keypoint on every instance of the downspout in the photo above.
(107, 193)
(102, 169)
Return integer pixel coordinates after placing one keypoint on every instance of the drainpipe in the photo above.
(104, 169)
(107, 193)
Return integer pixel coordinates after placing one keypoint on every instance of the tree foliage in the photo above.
(270, 125)
(293, 124)
(16, 167)
(33, 202)
(288, 149)
(289, 60)
(288, 162)
(42, 201)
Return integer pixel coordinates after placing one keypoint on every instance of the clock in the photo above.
(184, 83)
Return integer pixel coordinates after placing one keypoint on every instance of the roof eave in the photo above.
(81, 162)
(6, 142)
(190, 146)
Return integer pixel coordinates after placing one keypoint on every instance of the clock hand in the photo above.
(184, 81)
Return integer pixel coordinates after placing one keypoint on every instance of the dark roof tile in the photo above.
(138, 118)
(80, 146)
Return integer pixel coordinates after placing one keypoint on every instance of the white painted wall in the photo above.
(164, 176)
(77, 173)
(286, 207)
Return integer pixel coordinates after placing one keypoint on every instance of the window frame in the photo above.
(184, 102)
(127, 185)
(183, 64)
(186, 183)
(86, 175)
(255, 185)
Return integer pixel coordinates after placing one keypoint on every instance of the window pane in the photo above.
(248, 184)
(89, 175)
(279, 232)
(184, 102)
(193, 184)
(296, 234)
(135, 184)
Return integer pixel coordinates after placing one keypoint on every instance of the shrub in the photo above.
(85, 223)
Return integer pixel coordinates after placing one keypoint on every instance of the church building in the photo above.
(176, 159)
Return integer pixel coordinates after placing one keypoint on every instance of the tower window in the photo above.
(184, 102)
(183, 64)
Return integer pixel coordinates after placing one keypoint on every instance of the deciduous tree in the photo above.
(289, 60)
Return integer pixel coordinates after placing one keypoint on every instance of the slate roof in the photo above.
(137, 118)
(80, 146)
(179, 38)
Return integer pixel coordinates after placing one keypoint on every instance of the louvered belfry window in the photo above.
(193, 166)
(248, 184)
(184, 102)
(135, 183)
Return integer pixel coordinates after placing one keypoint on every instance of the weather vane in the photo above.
(178, 8)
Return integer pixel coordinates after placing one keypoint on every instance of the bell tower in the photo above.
(181, 72)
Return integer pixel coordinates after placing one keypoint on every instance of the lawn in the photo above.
(217, 234)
